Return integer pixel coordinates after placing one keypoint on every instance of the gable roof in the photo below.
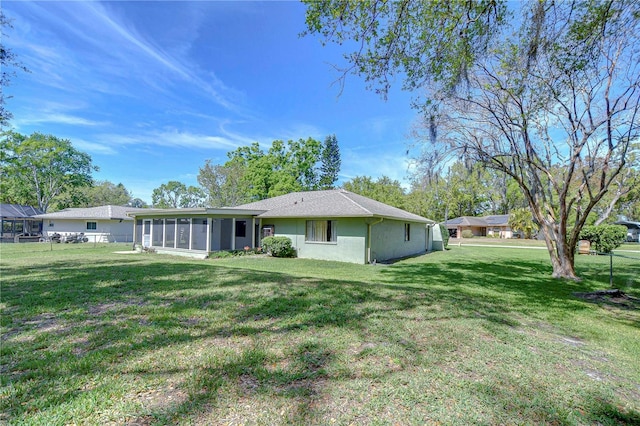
(18, 211)
(107, 212)
(490, 220)
(466, 221)
(328, 203)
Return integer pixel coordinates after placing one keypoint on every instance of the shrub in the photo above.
(444, 231)
(604, 238)
(467, 233)
(278, 246)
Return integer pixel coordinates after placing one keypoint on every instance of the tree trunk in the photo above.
(561, 255)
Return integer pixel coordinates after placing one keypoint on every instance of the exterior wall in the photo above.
(438, 241)
(388, 240)
(478, 231)
(106, 230)
(350, 245)
(500, 231)
(245, 241)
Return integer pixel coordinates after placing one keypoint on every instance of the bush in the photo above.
(278, 246)
(604, 238)
(444, 231)
(467, 233)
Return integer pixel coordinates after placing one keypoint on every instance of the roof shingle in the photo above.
(101, 212)
(328, 203)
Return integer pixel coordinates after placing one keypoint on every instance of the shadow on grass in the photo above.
(66, 322)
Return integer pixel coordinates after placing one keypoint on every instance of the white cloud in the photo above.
(92, 147)
(171, 137)
(58, 118)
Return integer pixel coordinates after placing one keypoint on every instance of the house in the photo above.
(99, 224)
(327, 225)
(18, 223)
(492, 225)
(633, 230)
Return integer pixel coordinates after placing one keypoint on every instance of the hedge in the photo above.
(278, 247)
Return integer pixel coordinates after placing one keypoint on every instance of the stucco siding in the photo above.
(437, 242)
(388, 240)
(349, 247)
(106, 230)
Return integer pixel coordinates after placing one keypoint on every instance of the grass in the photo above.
(468, 336)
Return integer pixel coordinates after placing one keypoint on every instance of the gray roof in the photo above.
(628, 223)
(466, 221)
(18, 211)
(497, 220)
(108, 212)
(327, 204)
(491, 220)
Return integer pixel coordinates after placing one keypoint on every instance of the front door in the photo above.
(146, 233)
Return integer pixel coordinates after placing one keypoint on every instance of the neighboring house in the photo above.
(18, 220)
(633, 230)
(492, 225)
(328, 225)
(99, 224)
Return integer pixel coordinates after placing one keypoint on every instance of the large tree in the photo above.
(222, 183)
(104, 193)
(383, 189)
(461, 190)
(330, 167)
(550, 98)
(252, 174)
(34, 170)
(174, 194)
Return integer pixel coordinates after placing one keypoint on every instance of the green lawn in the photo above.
(474, 335)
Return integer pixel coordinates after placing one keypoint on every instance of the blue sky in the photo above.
(153, 89)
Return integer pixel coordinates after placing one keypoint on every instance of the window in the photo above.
(92, 226)
(170, 232)
(198, 233)
(241, 228)
(407, 232)
(321, 231)
(158, 227)
(51, 224)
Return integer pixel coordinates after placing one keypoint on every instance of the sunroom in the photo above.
(196, 232)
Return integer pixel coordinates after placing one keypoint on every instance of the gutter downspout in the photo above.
(369, 225)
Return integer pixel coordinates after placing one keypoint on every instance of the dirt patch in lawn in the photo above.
(612, 298)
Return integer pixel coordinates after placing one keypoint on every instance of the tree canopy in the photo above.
(383, 189)
(102, 193)
(330, 163)
(34, 170)
(251, 174)
(174, 194)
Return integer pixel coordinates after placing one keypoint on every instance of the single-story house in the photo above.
(99, 224)
(17, 220)
(327, 225)
(633, 230)
(491, 225)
